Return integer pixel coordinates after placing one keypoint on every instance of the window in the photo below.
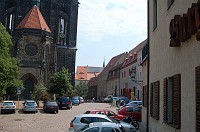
(107, 129)
(154, 14)
(129, 109)
(172, 100)
(100, 120)
(154, 100)
(62, 25)
(94, 129)
(169, 3)
(86, 120)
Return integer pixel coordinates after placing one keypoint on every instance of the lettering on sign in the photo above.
(183, 27)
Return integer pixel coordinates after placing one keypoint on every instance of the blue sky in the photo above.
(107, 28)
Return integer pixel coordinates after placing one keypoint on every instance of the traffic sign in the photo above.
(18, 90)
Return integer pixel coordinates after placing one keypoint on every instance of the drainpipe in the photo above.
(148, 61)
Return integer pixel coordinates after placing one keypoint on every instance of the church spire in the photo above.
(104, 62)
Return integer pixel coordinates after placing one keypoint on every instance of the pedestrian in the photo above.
(93, 100)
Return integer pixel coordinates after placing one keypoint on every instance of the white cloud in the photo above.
(99, 18)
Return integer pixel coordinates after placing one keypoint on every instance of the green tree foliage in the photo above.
(82, 89)
(60, 83)
(40, 92)
(8, 65)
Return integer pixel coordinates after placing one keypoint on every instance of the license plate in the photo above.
(63, 103)
(64, 107)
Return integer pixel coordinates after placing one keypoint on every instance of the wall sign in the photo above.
(182, 27)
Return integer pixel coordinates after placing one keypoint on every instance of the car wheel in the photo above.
(55, 112)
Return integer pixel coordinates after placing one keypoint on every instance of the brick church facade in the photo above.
(44, 37)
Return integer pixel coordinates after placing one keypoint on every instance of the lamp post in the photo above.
(134, 79)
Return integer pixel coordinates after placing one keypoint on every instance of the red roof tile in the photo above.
(86, 72)
(34, 20)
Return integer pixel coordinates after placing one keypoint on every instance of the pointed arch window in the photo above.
(62, 25)
(9, 22)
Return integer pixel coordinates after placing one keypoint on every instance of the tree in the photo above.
(82, 89)
(40, 92)
(60, 83)
(8, 65)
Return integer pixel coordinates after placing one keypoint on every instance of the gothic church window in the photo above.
(9, 22)
(62, 28)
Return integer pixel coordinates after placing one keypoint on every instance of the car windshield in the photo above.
(64, 99)
(87, 112)
(75, 98)
(8, 103)
(30, 103)
(51, 103)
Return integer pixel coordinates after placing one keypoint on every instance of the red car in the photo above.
(106, 112)
(134, 112)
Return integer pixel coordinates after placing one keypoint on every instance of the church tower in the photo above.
(57, 38)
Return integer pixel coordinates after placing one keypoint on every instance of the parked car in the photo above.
(105, 112)
(81, 100)
(102, 127)
(75, 100)
(133, 111)
(29, 106)
(107, 99)
(50, 106)
(124, 100)
(83, 119)
(8, 107)
(64, 103)
(133, 103)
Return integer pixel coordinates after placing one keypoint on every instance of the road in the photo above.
(44, 122)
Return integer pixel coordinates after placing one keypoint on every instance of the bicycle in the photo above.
(130, 120)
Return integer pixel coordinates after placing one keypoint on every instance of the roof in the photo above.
(99, 110)
(92, 82)
(111, 64)
(87, 72)
(34, 20)
(132, 55)
(92, 115)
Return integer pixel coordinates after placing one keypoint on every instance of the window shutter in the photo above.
(165, 100)
(143, 94)
(151, 99)
(197, 81)
(157, 95)
(144, 101)
(176, 101)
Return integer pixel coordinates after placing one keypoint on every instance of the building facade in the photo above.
(174, 66)
(131, 73)
(45, 44)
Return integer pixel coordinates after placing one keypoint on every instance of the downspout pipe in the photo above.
(148, 64)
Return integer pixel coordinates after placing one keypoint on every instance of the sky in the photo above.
(107, 28)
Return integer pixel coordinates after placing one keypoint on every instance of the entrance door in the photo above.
(29, 87)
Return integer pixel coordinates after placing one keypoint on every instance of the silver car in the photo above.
(102, 127)
(29, 106)
(83, 119)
